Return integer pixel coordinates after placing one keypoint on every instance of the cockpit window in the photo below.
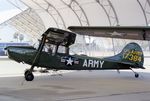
(61, 49)
(52, 48)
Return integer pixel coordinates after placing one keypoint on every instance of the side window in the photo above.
(49, 48)
(61, 49)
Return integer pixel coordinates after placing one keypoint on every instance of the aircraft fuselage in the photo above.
(61, 61)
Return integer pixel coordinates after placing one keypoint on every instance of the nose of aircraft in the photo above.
(11, 52)
(19, 53)
(8, 49)
(15, 53)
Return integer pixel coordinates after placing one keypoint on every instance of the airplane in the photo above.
(130, 57)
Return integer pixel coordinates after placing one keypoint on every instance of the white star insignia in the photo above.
(69, 61)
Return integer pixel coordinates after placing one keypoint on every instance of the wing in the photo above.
(126, 32)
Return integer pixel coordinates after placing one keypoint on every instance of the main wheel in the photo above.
(29, 76)
(136, 75)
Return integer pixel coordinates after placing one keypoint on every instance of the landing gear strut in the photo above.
(28, 73)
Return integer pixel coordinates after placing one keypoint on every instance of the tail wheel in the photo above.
(136, 75)
(28, 76)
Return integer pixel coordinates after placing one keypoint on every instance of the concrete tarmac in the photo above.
(73, 86)
(78, 86)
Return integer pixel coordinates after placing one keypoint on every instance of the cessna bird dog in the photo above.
(130, 57)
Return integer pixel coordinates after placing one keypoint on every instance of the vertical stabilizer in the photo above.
(133, 54)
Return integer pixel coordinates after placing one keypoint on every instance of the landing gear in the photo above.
(28, 75)
(136, 74)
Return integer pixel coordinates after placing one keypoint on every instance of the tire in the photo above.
(136, 75)
(29, 76)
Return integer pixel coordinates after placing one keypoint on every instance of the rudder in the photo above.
(133, 54)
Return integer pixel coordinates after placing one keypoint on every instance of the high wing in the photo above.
(123, 32)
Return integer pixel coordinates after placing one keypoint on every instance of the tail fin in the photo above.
(132, 54)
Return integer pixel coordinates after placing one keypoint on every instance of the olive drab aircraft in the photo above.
(130, 57)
